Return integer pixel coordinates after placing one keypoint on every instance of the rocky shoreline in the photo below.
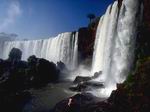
(18, 77)
(131, 96)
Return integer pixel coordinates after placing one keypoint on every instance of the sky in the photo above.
(31, 19)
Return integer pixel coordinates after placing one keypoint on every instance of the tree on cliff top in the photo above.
(91, 17)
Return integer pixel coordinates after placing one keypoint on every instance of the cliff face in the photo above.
(143, 41)
(146, 15)
(133, 95)
(87, 35)
(119, 3)
(86, 40)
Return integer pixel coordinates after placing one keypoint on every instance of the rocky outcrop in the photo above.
(44, 73)
(17, 77)
(143, 41)
(131, 96)
(86, 38)
(119, 3)
(146, 14)
(76, 103)
(80, 79)
(87, 86)
(86, 83)
(15, 55)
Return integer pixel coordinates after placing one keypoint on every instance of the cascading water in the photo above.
(3, 39)
(63, 48)
(1, 47)
(113, 50)
(114, 45)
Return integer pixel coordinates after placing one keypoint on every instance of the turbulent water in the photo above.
(63, 48)
(114, 45)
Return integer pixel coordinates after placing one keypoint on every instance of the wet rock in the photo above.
(13, 101)
(1, 67)
(76, 103)
(87, 86)
(79, 87)
(80, 79)
(32, 60)
(86, 38)
(61, 66)
(64, 71)
(17, 77)
(45, 72)
(96, 74)
(15, 54)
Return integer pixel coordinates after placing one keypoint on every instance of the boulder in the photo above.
(15, 54)
(87, 86)
(42, 72)
(76, 103)
(80, 79)
(61, 66)
(17, 77)
(32, 60)
(14, 102)
(96, 74)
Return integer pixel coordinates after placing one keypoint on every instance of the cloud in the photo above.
(13, 12)
(7, 36)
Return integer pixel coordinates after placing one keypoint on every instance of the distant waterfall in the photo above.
(1, 48)
(63, 48)
(114, 44)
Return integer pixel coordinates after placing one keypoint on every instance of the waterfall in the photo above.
(114, 44)
(63, 48)
(113, 50)
(3, 38)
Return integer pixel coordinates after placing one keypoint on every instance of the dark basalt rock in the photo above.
(86, 38)
(142, 41)
(80, 79)
(131, 96)
(15, 54)
(96, 74)
(86, 83)
(80, 87)
(32, 60)
(45, 72)
(64, 71)
(40, 72)
(119, 3)
(94, 84)
(77, 103)
(86, 86)
(17, 77)
(13, 102)
(61, 66)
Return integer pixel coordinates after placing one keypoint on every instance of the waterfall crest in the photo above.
(63, 48)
